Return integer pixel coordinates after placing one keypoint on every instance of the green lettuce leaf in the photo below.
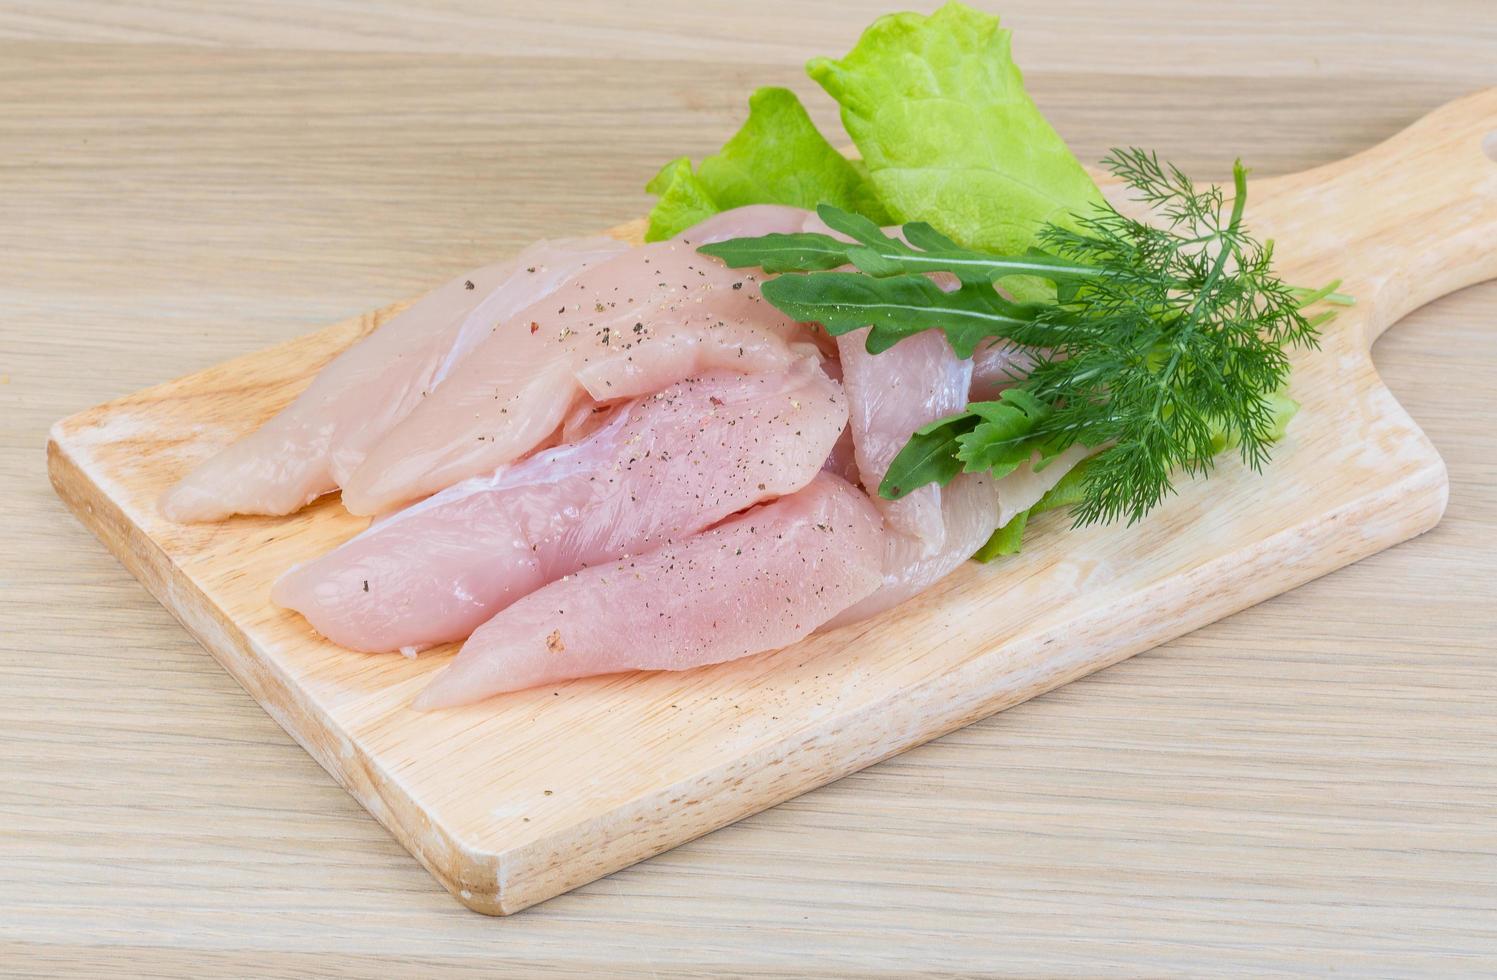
(1009, 539)
(778, 157)
(684, 200)
(937, 108)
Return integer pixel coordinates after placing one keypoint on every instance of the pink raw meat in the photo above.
(750, 221)
(969, 515)
(311, 445)
(630, 326)
(997, 365)
(665, 466)
(890, 395)
(757, 582)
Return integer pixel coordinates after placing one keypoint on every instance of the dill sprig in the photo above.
(1165, 342)
(1175, 348)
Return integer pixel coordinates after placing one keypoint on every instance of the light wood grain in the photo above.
(1302, 787)
(519, 798)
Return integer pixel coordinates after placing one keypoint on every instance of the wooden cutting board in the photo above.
(522, 797)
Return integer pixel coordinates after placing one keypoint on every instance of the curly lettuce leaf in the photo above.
(1009, 539)
(778, 157)
(684, 200)
(938, 110)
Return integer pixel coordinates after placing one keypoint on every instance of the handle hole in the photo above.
(1489, 146)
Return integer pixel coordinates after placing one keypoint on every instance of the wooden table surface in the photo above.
(1308, 786)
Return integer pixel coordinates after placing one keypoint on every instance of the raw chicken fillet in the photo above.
(309, 448)
(628, 327)
(665, 466)
(592, 459)
(918, 380)
(758, 582)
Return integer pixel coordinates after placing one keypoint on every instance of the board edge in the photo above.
(1395, 512)
(457, 867)
(502, 882)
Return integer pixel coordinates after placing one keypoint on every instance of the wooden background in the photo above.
(1308, 786)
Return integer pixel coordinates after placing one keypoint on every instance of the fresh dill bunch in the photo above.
(1174, 349)
(1165, 343)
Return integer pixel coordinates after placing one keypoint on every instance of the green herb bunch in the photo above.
(1158, 345)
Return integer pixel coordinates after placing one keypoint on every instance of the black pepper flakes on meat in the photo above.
(467, 283)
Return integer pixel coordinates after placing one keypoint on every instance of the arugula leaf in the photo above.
(938, 110)
(778, 157)
(877, 253)
(1004, 438)
(806, 251)
(928, 457)
(996, 436)
(898, 306)
(1072, 489)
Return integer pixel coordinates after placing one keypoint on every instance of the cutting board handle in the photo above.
(1403, 223)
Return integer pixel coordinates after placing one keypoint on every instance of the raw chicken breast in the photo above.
(538, 271)
(973, 506)
(311, 445)
(627, 327)
(585, 418)
(758, 582)
(918, 380)
(841, 460)
(750, 221)
(665, 466)
(969, 515)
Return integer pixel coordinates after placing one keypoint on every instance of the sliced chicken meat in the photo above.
(665, 466)
(973, 506)
(750, 221)
(309, 448)
(890, 395)
(969, 515)
(758, 582)
(841, 461)
(627, 327)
